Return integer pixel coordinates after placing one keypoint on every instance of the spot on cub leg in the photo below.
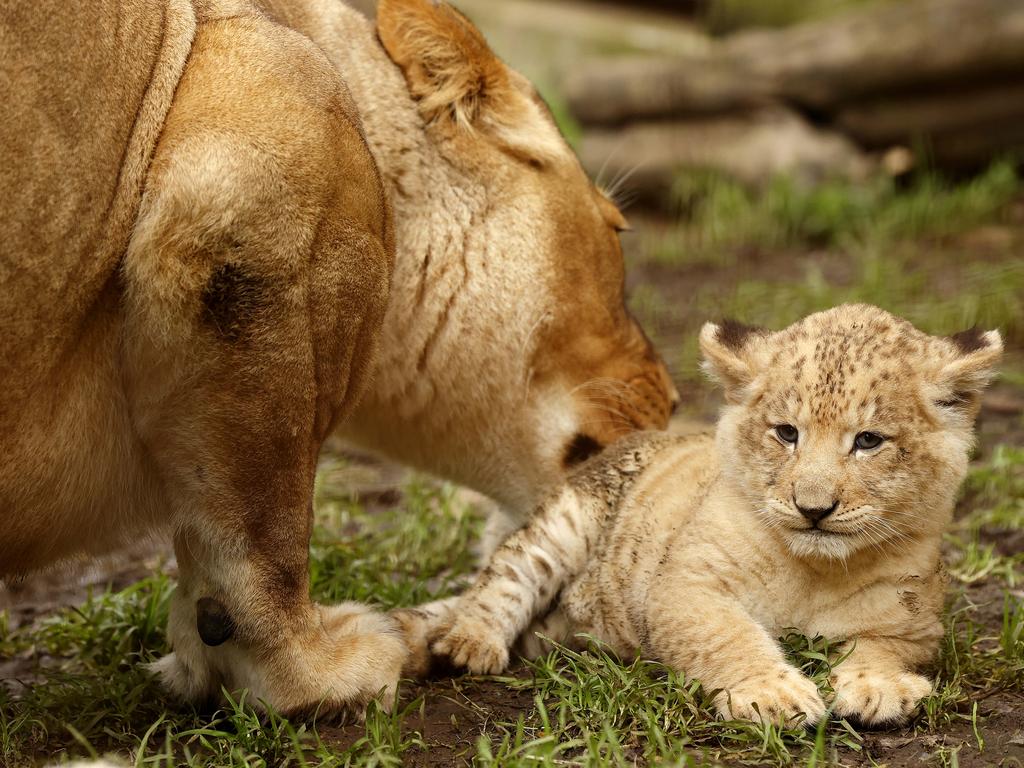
(231, 301)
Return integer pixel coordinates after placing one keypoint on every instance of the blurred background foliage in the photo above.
(721, 17)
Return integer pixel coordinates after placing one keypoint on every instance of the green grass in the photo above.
(786, 251)
(593, 709)
(92, 694)
(998, 490)
(996, 494)
(421, 553)
(721, 216)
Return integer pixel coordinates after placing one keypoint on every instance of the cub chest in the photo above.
(838, 608)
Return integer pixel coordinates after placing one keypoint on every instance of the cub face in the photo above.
(849, 430)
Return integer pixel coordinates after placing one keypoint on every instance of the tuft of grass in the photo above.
(997, 488)
(112, 627)
(90, 685)
(593, 709)
(976, 561)
(721, 216)
(872, 243)
(1011, 636)
(413, 554)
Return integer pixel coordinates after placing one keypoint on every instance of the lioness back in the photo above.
(86, 88)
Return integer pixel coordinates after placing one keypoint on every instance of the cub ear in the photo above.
(969, 367)
(731, 355)
(458, 81)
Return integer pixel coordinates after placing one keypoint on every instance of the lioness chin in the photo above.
(819, 504)
(231, 228)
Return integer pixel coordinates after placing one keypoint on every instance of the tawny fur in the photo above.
(258, 218)
(506, 334)
(691, 550)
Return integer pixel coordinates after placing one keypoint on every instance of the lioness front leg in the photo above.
(714, 640)
(255, 282)
(875, 684)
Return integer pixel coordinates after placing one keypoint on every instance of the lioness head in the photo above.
(850, 429)
(508, 354)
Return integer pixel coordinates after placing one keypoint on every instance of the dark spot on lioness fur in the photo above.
(231, 300)
(213, 621)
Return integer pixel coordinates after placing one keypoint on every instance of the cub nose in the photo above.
(816, 514)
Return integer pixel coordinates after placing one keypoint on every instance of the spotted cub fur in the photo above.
(818, 504)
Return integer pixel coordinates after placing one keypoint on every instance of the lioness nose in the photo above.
(816, 514)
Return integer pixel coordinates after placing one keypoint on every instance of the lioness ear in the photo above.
(731, 356)
(970, 366)
(458, 81)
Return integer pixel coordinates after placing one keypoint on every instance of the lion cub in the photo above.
(818, 504)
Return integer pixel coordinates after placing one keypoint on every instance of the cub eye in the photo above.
(787, 433)
(866, 441)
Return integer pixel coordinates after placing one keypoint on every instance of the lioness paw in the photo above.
(783, 696)
(877, 699)
(348, 656)
(475, 645)
(377, 647)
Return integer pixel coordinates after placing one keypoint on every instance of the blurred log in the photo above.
(886, 48)
(638, 88)
(753, 147)
(881, 122)
(945, 74)
(882, 49)
(971, 147)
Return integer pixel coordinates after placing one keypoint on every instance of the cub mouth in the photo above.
(821, 532)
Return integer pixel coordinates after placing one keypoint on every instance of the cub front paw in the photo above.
(421, 626)
(784, 697)
(475, 645)
(876, 699)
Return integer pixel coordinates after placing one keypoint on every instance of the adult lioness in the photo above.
(197, 250)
